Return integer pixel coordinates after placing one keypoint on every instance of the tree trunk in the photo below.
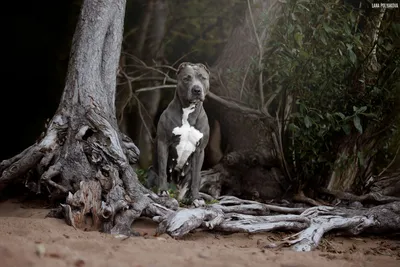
(82, 150)
(354, 162)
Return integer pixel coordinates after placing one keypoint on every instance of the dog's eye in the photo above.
(187, 78)
(202, 77)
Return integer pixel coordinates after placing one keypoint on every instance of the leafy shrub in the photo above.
(321, 53)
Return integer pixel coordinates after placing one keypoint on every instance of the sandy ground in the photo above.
(29, 239)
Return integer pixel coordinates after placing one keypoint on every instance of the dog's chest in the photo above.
(189, 138)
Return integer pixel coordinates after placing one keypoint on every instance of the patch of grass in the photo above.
(214, 201)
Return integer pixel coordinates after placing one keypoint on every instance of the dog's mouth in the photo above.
(195, 101)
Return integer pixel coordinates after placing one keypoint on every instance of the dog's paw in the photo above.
(163, 193)
(199, 203)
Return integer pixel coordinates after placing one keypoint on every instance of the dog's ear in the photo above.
(204, 67)
(181, 66)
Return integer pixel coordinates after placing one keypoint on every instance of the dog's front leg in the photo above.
(162, 157)
(197, 163)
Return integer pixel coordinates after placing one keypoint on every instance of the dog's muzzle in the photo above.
(196, 90)
(196, 94)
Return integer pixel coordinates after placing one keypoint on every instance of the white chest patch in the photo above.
(189, 136)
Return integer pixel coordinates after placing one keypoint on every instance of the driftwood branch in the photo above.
(232, 214)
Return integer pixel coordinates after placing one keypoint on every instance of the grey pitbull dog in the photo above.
(183, 133)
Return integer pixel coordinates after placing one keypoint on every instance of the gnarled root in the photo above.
(183, 221)
(232, 214)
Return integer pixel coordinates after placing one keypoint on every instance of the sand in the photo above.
(27, 238)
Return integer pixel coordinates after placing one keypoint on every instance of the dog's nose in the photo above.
(196, 90)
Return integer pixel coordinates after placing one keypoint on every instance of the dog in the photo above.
(182, 135)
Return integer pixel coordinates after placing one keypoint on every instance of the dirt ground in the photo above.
(27, 238)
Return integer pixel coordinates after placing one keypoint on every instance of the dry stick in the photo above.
(144, 65)
(146, 89)
(160, 66)
(142, 118)
(130, 95)
(166, 79)
(260, 50)
(244, 80)
(168, 67)
(129, 79)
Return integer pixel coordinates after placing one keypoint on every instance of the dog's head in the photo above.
(193, 82)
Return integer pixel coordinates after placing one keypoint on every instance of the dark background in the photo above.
(36, 36)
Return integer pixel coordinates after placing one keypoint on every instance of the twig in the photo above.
(244, 80)
(168, 67)
(146, 89)
(130, 94)
(142, 118)
(165, 79)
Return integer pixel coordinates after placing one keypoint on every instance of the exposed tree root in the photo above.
(235, 215)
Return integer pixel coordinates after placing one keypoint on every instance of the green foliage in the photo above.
(142, 175)
(324, 60)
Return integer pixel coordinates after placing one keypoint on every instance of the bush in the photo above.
(321, 54)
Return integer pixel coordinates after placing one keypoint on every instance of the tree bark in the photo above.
(350, 169)
(83, 156)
